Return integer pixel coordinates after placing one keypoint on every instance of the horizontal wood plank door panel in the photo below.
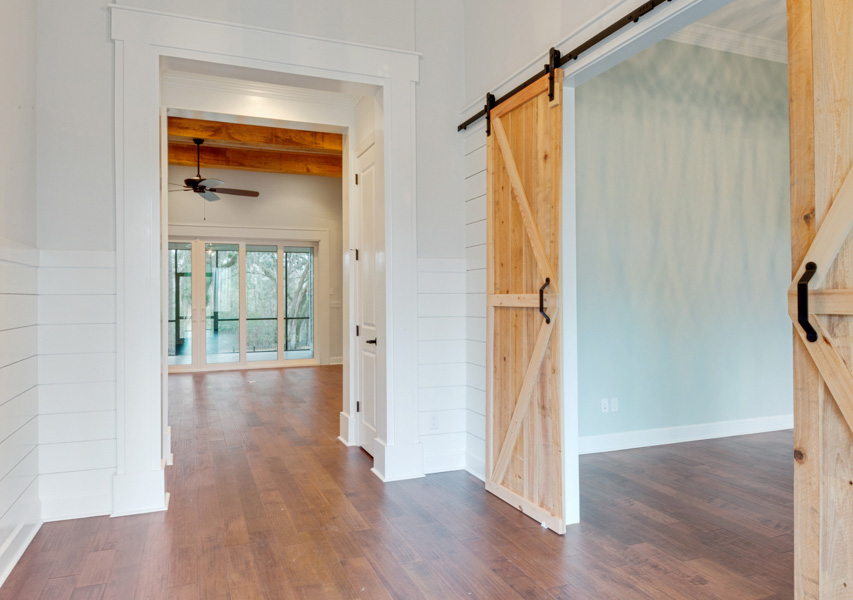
(524, 457)
(820, 42)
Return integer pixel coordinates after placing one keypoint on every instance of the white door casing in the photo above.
(143, 39)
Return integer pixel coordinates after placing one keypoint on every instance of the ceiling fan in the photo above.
(206, 187)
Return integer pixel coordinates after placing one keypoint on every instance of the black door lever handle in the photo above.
(373, 341)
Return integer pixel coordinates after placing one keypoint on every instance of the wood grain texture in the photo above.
(821, 79)
(524, 459)
(808, 389)
(217, 133)
(832, 60)
(706, 520)
(264, 161)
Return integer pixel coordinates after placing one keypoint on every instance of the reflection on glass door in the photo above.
(180, 304)
(253, 304)
(222, 262)
(299, 301)
(261, 303)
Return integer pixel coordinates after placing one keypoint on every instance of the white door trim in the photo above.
(142, 39)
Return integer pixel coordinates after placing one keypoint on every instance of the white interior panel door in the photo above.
(366, 298)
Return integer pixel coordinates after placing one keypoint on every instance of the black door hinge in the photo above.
(356, 253)
(358, 407)
(357, 331)
(356, 178)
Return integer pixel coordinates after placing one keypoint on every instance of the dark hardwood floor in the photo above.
(267, 504)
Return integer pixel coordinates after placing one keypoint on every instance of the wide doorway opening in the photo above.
(272, 220)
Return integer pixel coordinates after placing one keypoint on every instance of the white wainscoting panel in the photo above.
(76, 376)
(475, 306)
(20, 510)
(442, 374)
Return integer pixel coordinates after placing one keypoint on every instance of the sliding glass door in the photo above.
(253, 304)
(222, 303)
(262, 322)
(180, 341)
(299, 299)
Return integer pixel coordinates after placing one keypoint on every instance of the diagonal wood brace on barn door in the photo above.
(813, 303)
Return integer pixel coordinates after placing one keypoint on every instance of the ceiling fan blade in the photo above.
(234, 192)
(210, 183)
(209, 196)
(183, 190)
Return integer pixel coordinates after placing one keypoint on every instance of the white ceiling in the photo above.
(760, 18)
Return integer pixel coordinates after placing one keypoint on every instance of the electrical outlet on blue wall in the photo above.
(614, 405)
(605, 405)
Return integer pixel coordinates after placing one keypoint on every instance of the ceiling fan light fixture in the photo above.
(206, 187)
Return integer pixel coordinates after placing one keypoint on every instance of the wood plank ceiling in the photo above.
(255, 148)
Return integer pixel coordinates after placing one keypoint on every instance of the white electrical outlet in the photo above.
(605, 405)
(433, 422)
(614, 405)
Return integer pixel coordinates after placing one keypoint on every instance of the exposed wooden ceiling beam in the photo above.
(266, 161)
(254, 136)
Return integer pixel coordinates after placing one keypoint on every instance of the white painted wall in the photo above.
(286, 202)
(18, 119)
(76, 170)
(440, 30)
(20, 512)
(526, 31)
(684, 251)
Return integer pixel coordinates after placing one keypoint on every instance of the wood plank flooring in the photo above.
(266, 504)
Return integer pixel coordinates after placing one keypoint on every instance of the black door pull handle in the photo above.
(542, 300)
(373, 341)
(803, 302)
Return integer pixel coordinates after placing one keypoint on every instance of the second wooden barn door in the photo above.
(524, 420)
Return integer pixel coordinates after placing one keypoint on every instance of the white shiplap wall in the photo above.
(20, 512)
(475, 244)
(441, 362)
(76, 376)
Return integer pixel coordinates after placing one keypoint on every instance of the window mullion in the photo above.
(242, 299)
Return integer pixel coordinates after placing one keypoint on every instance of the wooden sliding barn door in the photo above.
(820, 34)
(524, 420)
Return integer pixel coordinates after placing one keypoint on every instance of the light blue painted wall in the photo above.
(683, 240)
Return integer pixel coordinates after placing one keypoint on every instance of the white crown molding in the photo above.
(161, 13)
(254, 88)
(716, 38)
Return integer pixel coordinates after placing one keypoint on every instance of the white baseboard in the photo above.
(15, 548)
(336, 360)
(26, 513)
(77, 506)
(476, 467)
(396, 462)
(442, 463)
(686, 433)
